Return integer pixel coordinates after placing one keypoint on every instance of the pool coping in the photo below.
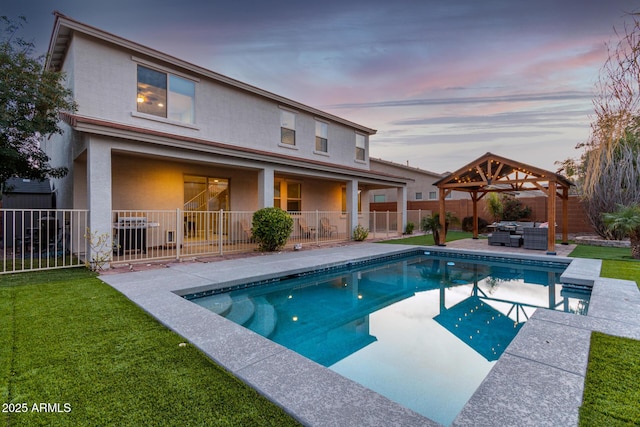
(545, 363)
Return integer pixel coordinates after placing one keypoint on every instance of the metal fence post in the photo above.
(387, 224)
(220, 229)
(179, 233)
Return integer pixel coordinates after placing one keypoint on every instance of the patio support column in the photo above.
(99, 191)
(352, 206)
(551, 218)
(265, 187)
(401, 208)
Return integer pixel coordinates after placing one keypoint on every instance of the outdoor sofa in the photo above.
(514, 233)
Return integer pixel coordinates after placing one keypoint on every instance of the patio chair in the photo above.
(326, 229)
(535, 238)
(246, 229)
(305, 230)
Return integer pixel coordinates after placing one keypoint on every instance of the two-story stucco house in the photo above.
(153, 132)
(419, 188)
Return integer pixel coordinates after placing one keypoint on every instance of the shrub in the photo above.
(360, 233)
(513, 209)
(432, 224)
(409, 228)
(271, 227)
(467, 224)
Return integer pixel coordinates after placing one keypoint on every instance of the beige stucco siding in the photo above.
(104, 81)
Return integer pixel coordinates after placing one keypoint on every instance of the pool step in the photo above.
(242, 310)
(219, 304)
(264, 318)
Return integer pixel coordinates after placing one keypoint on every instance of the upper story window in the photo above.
(165, 95)
(360, 147)
(419, 196)
(287, 127)
(321, 137)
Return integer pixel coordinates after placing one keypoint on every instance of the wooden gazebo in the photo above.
(491, 173)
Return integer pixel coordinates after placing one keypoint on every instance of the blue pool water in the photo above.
(423, 331)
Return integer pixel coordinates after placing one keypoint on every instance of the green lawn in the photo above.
(611, 392)
(616, 262)
(427, 239)
(67, 338)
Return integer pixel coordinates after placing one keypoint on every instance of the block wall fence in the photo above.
(578, 221)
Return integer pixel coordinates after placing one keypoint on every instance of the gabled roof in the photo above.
(495, 173)
(405, 167)
(63, 30)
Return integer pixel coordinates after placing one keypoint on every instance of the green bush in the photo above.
(409, 228)
(271, 227)
(360, 233)
(467, 224)
(513, 209)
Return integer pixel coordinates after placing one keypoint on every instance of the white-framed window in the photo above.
(360, 146)
(287, 195)
(344, 200)
(379, 198)
(287, 127)
(322, 131)
(294, 196)
(419, 195)
(277, 195)
(165, 95)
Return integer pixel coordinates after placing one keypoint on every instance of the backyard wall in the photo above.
(578, 222)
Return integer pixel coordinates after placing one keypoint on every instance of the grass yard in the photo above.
(616, 262)
(427, 239)
(73, 342)
(611, 392)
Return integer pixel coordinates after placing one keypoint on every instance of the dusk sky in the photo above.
(443, 82)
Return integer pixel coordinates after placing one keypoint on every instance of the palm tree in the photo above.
(494, 205)
(432, 223)
(626, 220)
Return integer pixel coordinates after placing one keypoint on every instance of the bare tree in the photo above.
(609, 168)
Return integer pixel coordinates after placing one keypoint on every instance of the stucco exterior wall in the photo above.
(158, 184)
(422, 183)
(104, 80)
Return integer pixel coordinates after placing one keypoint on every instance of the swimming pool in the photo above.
(423, 330)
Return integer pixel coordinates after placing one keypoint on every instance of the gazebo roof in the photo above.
(495, 173)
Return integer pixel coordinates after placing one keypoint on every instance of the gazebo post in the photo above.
(443, 219)
(474, 198)
(551, 218)
(565, 216)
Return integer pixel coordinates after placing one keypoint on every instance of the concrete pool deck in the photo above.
(537, 381)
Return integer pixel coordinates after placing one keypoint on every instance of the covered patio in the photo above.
(492, 173)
